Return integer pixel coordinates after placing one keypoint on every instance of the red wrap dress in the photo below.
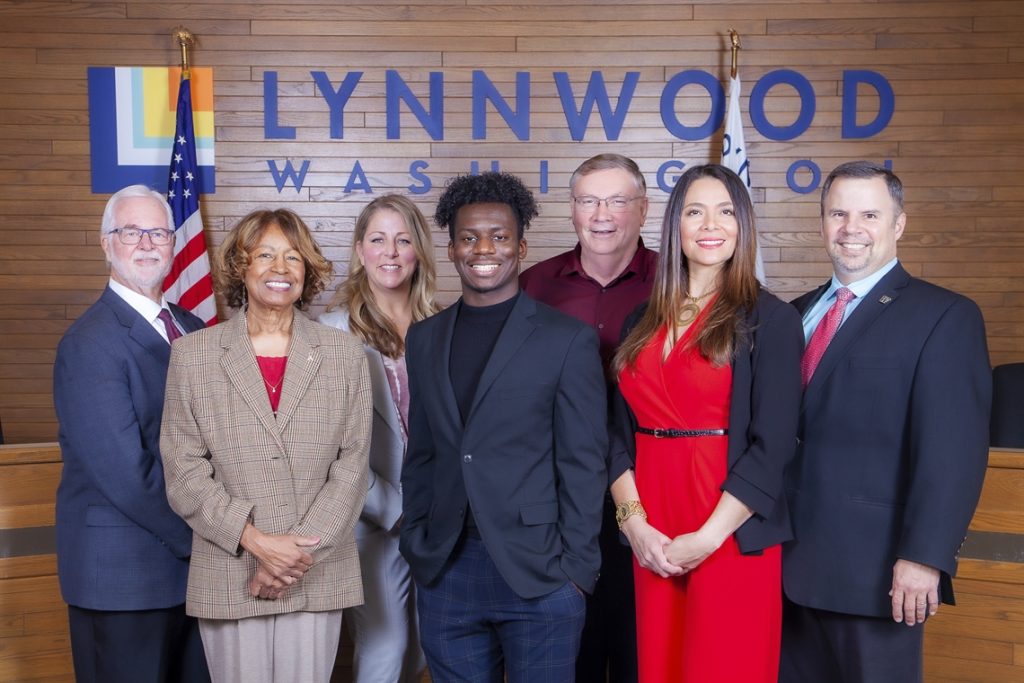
(721, 622)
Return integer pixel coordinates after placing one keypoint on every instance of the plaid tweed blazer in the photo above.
(227, 458)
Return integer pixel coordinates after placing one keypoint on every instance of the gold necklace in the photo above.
(691, 307)
(273, 387)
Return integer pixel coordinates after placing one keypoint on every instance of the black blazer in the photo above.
(530, 459)
(894, 444)
(762, 420)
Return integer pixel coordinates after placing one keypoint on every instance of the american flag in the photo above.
(189, 283)
(734, 152)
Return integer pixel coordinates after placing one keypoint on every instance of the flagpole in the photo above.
(734, 38)
(189, 284)
(186, 39)
(734, 147)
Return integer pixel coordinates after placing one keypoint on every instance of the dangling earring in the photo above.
(245, 298)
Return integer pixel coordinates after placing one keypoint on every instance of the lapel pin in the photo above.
(884, 299)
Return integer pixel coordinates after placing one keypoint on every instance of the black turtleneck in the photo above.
(476, 330)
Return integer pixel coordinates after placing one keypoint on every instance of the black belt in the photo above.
(681, 433)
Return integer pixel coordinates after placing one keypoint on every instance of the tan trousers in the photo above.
(282, 648)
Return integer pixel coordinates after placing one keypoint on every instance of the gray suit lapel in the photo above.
(383, 404)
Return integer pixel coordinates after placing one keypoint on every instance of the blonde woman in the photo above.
(390, 285)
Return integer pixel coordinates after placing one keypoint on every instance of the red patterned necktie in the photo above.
(823, 334)
(172, 330)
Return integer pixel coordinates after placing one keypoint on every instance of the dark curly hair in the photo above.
(486, 188)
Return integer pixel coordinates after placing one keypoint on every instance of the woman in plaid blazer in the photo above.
(264, 442)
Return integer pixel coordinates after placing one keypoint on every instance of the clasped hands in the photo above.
(668, 556)
(281, 560)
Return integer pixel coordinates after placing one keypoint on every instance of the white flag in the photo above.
(734, 151)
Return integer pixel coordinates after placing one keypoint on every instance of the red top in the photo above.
(272, 369)
(561, 283)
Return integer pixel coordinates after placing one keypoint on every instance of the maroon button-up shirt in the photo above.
(561, 283)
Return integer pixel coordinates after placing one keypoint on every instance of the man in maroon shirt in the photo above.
(600, 282)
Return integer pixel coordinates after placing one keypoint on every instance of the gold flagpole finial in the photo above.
(734, 38)
(185, 39)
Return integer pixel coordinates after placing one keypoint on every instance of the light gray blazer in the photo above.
(383, 504)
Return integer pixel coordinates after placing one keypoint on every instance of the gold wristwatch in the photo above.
(627, 509)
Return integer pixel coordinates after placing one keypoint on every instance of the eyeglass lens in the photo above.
(158, 236)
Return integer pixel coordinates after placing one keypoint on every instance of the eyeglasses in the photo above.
(616, 204)
(158, 236)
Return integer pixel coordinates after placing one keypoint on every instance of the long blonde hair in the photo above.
(738, 286)
(366, 320)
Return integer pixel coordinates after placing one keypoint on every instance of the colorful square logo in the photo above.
(131, 125)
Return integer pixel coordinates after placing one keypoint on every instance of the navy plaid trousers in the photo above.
(474, 627)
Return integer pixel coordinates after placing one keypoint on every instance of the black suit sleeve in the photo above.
(621, 436)
(949, 413)
(581, 442)
(622, 422)
(756, 476)
(188, 320)
(418, 468)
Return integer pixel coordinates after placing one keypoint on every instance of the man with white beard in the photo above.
(122, 554)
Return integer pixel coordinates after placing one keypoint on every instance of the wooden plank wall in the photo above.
(957, 70)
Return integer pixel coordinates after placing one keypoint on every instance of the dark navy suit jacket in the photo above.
(893, 446)
(762, 420)
(119, 545)
(530, 458)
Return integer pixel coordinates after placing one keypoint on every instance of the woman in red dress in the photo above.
(710, 377)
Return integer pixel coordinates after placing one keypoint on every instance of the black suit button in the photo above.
(467, 458)
(462, 512)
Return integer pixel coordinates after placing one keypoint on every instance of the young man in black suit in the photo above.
(505, 473)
